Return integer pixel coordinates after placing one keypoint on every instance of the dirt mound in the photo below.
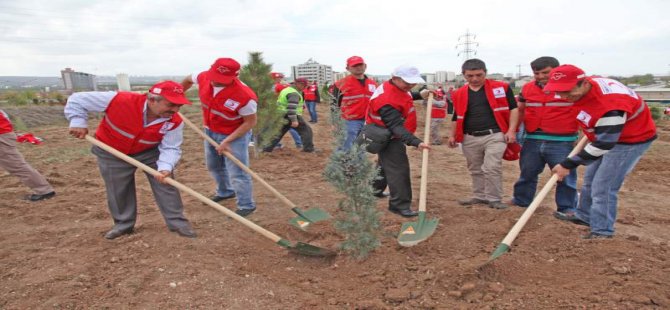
(53, 254)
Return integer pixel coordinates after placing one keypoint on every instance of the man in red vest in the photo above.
(229, 113)
(146, 128)
(618, 123)
(312, 97)
(12, 161)
(485, 118)
(392, 107)
(437, 115)
(352, 95)
(551, 131)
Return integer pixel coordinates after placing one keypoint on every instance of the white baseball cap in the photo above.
(408, 74)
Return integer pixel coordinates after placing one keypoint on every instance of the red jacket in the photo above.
(547, 111)
(389, 94)
(355, 97)
(5, 124)
(497, 98)
(310, 93)
(221, 112)
(123, 125)
(607, 95)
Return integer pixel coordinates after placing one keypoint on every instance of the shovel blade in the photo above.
(414, 232)
(310, 250)
(307, 217)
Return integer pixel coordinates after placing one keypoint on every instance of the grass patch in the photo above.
(66, 154)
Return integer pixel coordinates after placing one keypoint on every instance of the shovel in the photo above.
(298, 248)
(304, 218)
(503, 247)
(414, 232)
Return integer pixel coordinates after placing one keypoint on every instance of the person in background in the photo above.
(437, 115)
(312, 97)
(13, 161)
(279, 85)
(290, 101)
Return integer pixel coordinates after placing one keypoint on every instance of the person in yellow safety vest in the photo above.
(290, 101)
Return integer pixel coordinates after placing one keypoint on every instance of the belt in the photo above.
(483, 132)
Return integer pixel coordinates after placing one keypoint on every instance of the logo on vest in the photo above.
(584, 118)
(557, 76)
(371, 88)
(166, 126)
(499, 92)
(231, 104)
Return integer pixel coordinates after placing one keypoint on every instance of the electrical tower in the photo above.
(519, 66)
(467, 46)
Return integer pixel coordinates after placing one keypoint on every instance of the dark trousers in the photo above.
(119, 177)
(303, 130)
(395, 173)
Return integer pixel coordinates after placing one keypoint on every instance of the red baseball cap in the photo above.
(275, 75)
(301, 80)
(170, 90)
(512, 151)
(354, 60)
(564, 78)
(224, 70)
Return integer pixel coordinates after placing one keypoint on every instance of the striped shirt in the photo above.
(607, 131)
(80, 104)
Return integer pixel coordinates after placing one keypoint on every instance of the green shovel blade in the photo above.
(414, 232)
(500, 250)
(307, 249)
(307, 217)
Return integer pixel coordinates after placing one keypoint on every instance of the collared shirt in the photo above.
(80, 104)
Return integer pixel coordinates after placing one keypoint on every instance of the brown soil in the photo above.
(53, 254)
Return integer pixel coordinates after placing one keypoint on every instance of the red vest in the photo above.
(437, 112)
(279, 87)
(123, 125)
(547, 111)
(607, 95)
(310, 93)
(220, 113)
(5, 124)
(355, 97)
(389, 94)
(497, 98)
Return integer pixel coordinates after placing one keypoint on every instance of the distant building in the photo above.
(495, 76)
(440, 76)
(313, 71)
(339, 75)
(78, 81)
(451, 76)
(654, 94)
(429, 77)
(123, 82)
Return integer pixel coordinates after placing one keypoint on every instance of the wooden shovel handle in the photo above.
(424, 160)
(184, 188)
(239, 164)
(514, 232)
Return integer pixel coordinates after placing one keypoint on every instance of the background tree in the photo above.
(352, 174)
(256, 74)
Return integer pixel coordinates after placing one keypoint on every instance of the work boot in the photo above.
(217, 198)
(498, 205)
(185, 231)
(570, 217)
(115, 233)
(38, 197)
(593, 235)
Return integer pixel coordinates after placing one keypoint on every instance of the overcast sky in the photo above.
(39, 38)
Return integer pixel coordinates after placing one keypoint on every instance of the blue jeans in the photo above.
(296, 137)
(521, 134)
(231, 179)
(311, 107)
(535, 155)
(602, 181)
(354, 127)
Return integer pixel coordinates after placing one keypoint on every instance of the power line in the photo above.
(467, 44)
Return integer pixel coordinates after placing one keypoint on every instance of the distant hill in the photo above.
(55, 82)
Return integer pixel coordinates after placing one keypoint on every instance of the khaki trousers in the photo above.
(12, 161)
(484, 158)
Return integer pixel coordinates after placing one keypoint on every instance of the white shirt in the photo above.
(80, 104)
(248, 109)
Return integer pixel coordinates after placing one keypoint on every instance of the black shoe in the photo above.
(404, 212)
(187, 232)
(244, 212)
(115, 233)
(382, 194)
(596, 236)
(217, 198)
(570, 217)
(36, 197)
(472, 201)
